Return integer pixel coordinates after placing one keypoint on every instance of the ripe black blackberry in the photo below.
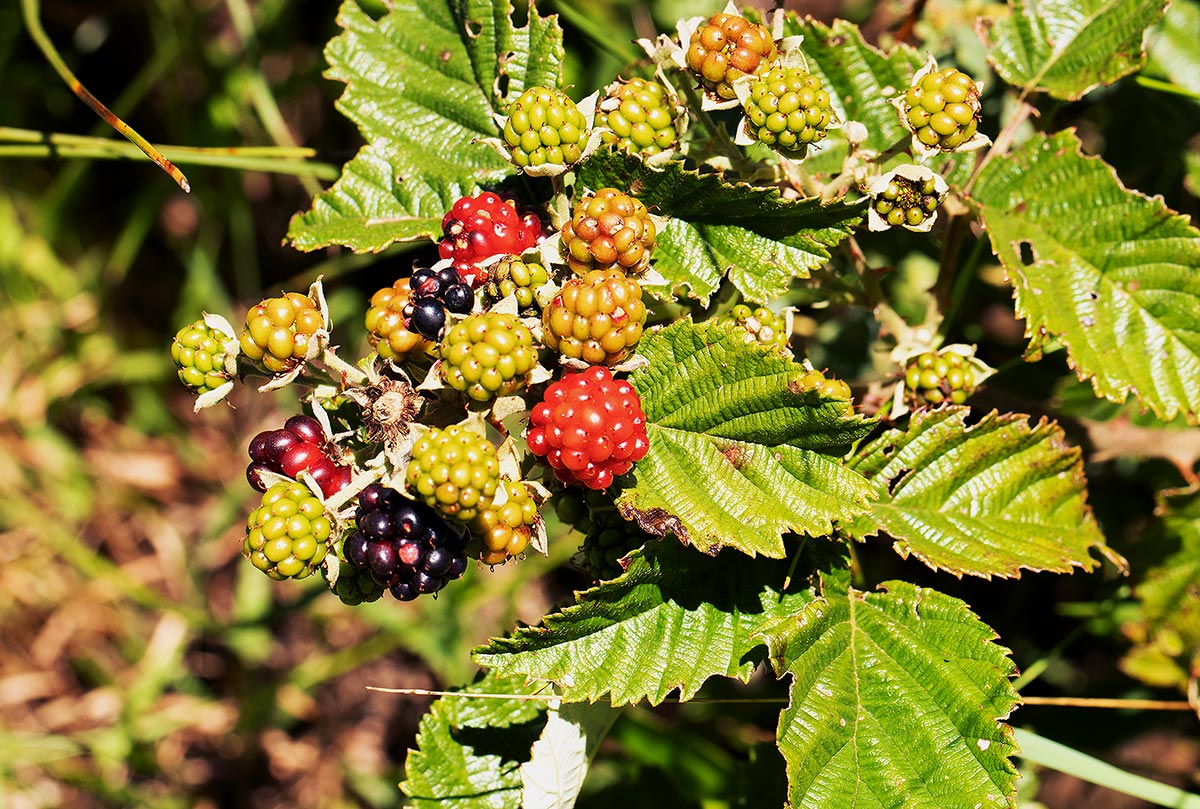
(434, 294)
(404, 545)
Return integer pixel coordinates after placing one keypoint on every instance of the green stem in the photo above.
(716, 133)
(1167, 87)
(962, 281)
(1035, 669)
(30, 13)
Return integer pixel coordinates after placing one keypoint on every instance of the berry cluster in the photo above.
(609, 538)
(198, 351)
(514, 276)
(545, 127)
(385, 322)
(404, 546)
(788, 109)
(935, 377)
(589, 427)
(278, 330)
(942, 109)
(637, 116)
(906, 202)
(726, 48)
(487, 355)
(488, 224)
(760, 325)
(609, 230)
(455, 471)
(597, 319)
(299, 446)
(287, 535)
(815, 382)
(433, 294)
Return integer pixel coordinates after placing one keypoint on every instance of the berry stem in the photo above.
(718, 137)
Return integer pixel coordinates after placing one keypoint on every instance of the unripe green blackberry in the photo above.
(199, 353)
(504, 531)
(906, 202)
(726, 48)
(639, 117)
(760, 325)
(487, 355)
(788, 109)
(545, 127)
(454, 471)
(933, 378)
(609, 229)
(597, 318)
(610, 537)
(287, 536)
(385, 325)
(278, 330)
(942, 109)
(519, 278)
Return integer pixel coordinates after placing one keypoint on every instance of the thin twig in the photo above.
(30, 12)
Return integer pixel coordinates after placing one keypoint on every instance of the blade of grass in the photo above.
(1055, 756)
(33, 24)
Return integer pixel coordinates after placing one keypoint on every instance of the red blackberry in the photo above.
(404, 545)
(482, 226)
(301, 445)
(589, 428)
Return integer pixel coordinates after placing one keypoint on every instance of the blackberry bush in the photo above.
(759, 478)
(596, 319)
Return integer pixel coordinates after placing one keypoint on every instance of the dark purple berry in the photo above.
(275, 443)
(458, 298)
(308, 428)
(424, 283)
(457, 567)
(428, 318)
(254, 475)
(382, 559)
(355, 549)
(438, 561)
(447, 277)
(377, 524)
(403, 591)
(408, 520)
(371, 496)
(426, 583)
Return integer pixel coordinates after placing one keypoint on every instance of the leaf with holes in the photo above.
(674, 619)
(740, 450)
(896, 700)
(992, 499)
(760, 239)
(1108, 271)
(422, 84)
(465, 748)
(1068, 47)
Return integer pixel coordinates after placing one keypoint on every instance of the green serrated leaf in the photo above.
(469, 751)
(761, 239)
(860, 78)
(422, 84)
(896, 699)
(739, 453)
(1166, 635)
(1108, 271)
(671, 621)
(1068, 47)
(987, 500)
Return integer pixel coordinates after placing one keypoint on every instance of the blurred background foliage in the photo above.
(142, 665)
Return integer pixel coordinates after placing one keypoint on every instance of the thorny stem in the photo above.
(30, 13)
